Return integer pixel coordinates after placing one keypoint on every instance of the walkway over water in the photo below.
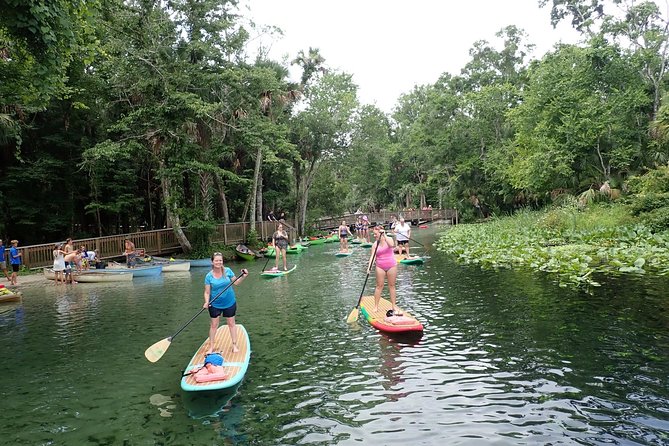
(164, 241)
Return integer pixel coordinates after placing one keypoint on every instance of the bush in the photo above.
(657, 219)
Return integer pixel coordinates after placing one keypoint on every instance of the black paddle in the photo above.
(353, 315)
(157, 350)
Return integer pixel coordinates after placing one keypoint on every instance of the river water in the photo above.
(506, 358)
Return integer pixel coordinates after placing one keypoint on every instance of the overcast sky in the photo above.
(391, 45)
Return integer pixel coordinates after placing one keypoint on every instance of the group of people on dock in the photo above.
(68, 260)
(14, 261)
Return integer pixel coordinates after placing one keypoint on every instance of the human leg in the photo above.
(283, 256)
(233, 333)
(391, 275)
(380, 279)
(212, 333)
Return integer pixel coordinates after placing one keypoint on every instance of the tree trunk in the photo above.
(254, 188)
(205, 194)
(172, 212)
(304, 184)
(259, 216)
(222, 199)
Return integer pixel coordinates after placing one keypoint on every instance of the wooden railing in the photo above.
(160, 241)
(163, 241)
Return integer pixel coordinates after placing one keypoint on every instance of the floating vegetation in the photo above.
(568, 242)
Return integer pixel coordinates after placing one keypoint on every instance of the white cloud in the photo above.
(390, 45)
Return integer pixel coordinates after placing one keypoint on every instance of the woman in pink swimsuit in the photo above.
(386, 266)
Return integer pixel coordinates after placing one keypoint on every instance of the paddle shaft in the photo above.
(201, 310)
(268, 257)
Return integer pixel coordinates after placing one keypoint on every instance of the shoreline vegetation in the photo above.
(571, 242)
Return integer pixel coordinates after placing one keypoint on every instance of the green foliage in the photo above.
(253, 240)
(650, 201)
(572, 244)
(199, 234)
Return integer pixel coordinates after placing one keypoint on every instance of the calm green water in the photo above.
(506, 358)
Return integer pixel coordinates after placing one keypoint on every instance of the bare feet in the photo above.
(235, 349)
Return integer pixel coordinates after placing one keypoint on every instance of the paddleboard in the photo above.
(278, 273)
(343, 254)
(378, 320)
(414, 260)
(366, 244)
(235, 363)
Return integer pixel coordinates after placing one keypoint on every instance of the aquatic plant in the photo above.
(574, 245)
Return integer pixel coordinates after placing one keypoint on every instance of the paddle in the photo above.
(157, 350)
(268, 257)
(353, 315)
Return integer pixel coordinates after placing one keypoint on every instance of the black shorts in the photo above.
(226, 312)
(15, 267)
(403, 242)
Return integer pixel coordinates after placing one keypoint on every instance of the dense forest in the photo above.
(126, 115)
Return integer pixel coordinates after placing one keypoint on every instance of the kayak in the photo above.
(343, 254)
(277, 273)
(318, 241)
(244, 253)
(9, 296)
(295, 249)
(395, 324)
(413, 260)
(235, 364)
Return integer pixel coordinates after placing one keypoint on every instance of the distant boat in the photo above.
(194, 263)
(174, 266)
(138, 271)
(245, 253)
(96, 275)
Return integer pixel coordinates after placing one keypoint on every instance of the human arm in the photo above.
(245, 272)
(371, 257)
(207, 294)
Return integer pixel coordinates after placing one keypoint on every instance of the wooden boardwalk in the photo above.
(164, 241)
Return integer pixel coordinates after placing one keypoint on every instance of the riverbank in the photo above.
(569, 242)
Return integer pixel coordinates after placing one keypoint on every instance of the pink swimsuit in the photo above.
(385, 258)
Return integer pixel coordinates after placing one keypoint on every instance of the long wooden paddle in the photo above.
(157, 350)
(353, 315)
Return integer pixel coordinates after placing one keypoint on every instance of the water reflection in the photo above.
(506, 358)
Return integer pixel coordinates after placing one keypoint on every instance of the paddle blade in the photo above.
(157, 350)
(353, 316)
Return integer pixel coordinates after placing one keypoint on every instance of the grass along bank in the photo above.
(567, 241)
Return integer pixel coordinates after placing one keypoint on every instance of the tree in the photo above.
(321, 131)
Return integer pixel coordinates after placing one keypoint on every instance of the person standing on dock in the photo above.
(224, 304)
(15, 261)
(3, 261)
